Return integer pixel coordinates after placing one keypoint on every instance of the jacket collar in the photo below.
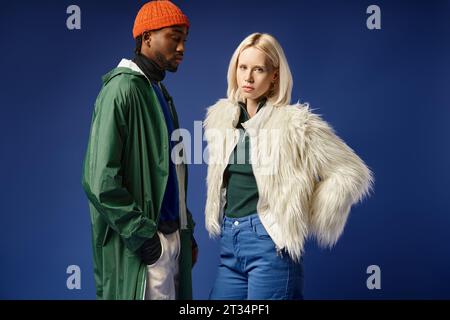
(262, 116)
(125, 63)
(244, 116)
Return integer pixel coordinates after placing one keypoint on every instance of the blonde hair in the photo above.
(281, 94)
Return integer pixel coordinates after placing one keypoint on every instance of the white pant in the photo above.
(162, 276)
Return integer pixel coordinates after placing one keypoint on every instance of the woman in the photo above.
(276, 173)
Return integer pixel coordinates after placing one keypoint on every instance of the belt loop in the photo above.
(252, 220)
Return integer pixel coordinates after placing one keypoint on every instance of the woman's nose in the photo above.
(249, 78)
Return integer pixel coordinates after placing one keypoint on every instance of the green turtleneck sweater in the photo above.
(242, 191)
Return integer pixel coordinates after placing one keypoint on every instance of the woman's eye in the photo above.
(242, 67)
(259, 70)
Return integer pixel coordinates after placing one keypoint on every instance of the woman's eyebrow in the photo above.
(254, 66)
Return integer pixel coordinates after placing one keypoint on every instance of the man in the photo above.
(142, 232)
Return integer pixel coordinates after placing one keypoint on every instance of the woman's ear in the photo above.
(275, 75)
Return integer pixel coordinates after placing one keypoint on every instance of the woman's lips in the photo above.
(248, 89)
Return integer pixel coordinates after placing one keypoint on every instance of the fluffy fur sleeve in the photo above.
(344, 179)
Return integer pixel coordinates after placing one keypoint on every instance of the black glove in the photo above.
(150, 251)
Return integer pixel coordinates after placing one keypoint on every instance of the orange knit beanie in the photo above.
(156, 15)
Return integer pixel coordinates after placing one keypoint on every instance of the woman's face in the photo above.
(254, 74)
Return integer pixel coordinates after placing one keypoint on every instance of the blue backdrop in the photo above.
(386, 92)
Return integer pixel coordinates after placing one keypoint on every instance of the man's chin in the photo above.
(172, 68)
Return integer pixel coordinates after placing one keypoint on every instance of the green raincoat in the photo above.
(124, 176)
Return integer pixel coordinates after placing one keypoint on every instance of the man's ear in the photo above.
(146, 38)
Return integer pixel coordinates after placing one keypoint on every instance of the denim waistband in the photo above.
(242, 222)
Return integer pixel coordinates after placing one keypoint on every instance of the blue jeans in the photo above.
(251, 268)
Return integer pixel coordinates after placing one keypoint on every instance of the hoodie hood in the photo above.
(124, 67)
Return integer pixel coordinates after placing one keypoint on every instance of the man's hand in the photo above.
(150, 251)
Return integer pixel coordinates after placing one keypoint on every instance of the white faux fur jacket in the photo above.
(307, 177)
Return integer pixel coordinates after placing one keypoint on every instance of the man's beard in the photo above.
(167, 65)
